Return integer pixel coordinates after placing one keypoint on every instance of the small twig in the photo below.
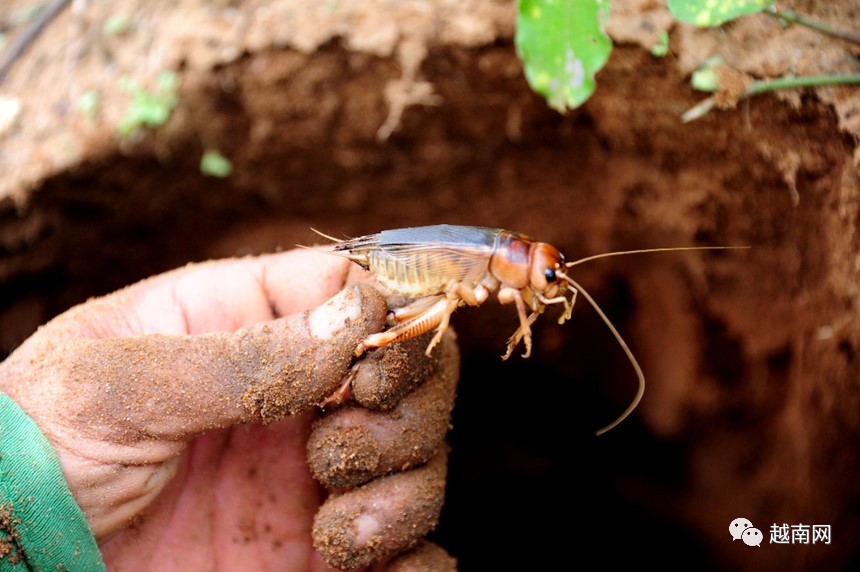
(795, 18)
(765, 85)
(23, 41)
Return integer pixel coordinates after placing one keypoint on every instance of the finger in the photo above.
(173, 387)
(353, 445)
(222, 295)
(385, 376)
(426, 557)
(381, 518)
(226, 295)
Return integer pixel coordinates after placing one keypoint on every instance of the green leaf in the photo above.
(661, 48)
(707, 13)
(562, 45)
(148, 109)
(706, 78)
(115, 25)
(88, 103)
(215, 164)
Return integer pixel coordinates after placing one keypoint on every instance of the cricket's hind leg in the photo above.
(423, 315)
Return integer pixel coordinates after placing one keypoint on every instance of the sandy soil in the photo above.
(355, 117)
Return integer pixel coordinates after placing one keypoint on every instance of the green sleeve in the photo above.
(41, 526)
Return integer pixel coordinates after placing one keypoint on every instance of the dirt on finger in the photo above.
(353, 445)
(426, 557)
(385, 376)
(382, 518)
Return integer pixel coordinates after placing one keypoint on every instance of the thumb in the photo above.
(173, 387)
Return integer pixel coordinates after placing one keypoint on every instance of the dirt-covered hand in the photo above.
(183, 410)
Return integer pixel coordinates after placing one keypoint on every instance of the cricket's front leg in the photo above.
(519, 334)
(524, 332)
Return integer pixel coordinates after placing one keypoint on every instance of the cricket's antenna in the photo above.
(612, 328)
(624, 347)
(647, 250)
(322, 234)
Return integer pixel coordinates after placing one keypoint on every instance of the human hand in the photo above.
(153, 396)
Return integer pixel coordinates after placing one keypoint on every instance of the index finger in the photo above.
(216, 296)
(228, 295)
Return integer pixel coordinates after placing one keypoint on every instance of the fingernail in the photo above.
(336, 314)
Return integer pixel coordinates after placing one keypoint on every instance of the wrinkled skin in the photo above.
(181, 409)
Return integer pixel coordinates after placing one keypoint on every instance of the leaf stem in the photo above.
(19, 45)
(795, 18)
(765, 85)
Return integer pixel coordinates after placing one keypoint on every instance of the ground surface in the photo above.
(355, 117)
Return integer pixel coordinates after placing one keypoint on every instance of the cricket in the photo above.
(442, 267)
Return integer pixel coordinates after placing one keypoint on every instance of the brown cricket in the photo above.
(442, 267)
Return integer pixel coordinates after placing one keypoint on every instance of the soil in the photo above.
(10, 543)
(356, 117)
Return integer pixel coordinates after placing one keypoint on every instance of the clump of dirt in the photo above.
(360, 117)
(10, 543)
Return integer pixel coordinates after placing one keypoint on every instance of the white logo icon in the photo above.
(737, 528)
(752, 537)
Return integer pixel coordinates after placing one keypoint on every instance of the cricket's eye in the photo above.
(545, 258)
